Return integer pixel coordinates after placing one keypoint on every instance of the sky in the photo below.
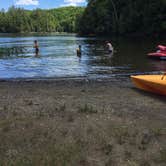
(43, 4)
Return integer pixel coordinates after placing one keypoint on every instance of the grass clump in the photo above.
(62, 108)
(87, 109)
(62, 154)
(163, 155)
(121, 134)
(159, 132)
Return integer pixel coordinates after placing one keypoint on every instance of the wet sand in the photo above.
(81, 122)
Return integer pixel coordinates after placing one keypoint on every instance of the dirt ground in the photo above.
(79, 122)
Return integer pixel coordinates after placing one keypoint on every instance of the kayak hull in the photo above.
(151, 83)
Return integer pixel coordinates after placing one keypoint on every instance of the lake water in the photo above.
(58, 57)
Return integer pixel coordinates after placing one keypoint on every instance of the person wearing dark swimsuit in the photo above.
(36, 46)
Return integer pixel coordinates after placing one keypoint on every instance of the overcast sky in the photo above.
(44, 4)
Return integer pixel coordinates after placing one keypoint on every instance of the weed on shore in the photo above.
(86, 136)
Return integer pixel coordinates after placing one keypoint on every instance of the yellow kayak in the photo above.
(151, 83)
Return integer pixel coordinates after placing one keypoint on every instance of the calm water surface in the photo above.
(58, 57)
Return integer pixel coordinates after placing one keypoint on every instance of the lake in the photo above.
(58, 57)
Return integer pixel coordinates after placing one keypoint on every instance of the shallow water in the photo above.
(58, 57)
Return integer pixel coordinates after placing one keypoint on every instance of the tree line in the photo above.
(124, 17)
(17, 20)
(100, 17)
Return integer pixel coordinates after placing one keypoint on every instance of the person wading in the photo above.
(36, 46)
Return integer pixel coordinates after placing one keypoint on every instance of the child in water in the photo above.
(79, 51)
(36, 46)
(109, 47)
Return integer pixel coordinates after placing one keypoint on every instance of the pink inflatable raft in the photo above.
(159, 54)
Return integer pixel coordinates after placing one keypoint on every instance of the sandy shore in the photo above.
(81, 122)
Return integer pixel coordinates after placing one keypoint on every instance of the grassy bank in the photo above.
(81, 123)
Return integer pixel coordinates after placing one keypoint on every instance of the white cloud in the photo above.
(72, 2)
(27, 2)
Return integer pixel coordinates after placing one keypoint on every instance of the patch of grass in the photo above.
(128, 154)
(145, 139)
(110, 162)
(62, 154)
(162, 157)
(70, 118)
(108, 148)
(132, 163)
(5, 125)
(44, 112)
(62, 108)
(87, 109)
(159, 132)
(122, 134)
(38, 148)
(145, 163)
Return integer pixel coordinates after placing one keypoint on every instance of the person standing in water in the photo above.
(36, 46)
(79, 51)
(109, 47)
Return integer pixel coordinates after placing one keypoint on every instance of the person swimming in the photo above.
(36, 46)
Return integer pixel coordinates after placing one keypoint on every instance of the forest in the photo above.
(100, 17)
(124, 17)
(18, 20)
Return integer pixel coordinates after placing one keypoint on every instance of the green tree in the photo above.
(123, 17)
(54, 20)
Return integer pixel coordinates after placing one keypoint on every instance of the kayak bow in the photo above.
(151, 83)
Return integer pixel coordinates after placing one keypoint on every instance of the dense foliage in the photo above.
(101, 17)
(55, 20)
(107, 17)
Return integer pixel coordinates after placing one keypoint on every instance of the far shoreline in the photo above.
(153, 38)
(37, 33)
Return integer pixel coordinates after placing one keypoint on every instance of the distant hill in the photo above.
(17, 20)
